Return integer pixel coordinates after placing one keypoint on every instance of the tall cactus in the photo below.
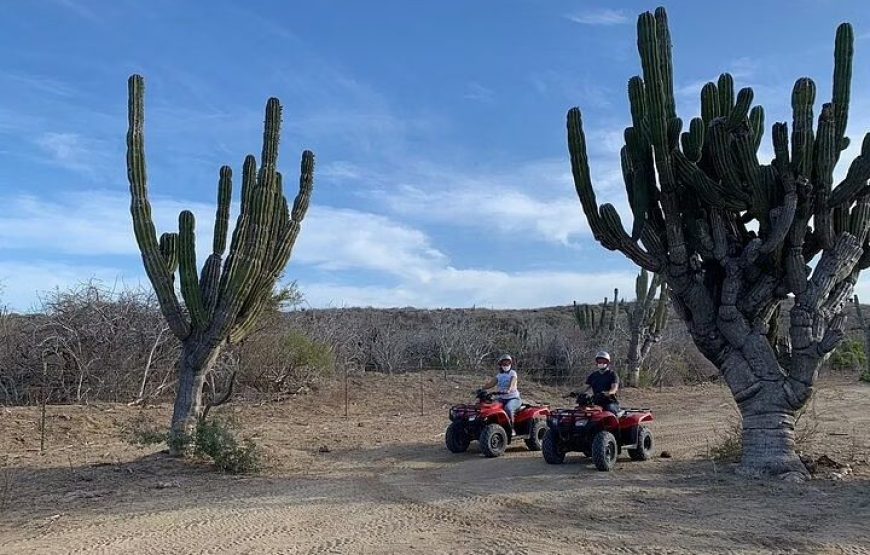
(647, 318)
(223, 302)
(732, 237)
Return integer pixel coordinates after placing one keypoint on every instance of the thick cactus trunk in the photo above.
(768, 444)
(197, 360)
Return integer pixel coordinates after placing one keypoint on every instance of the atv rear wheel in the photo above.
(456, 438)
(550, 449)
(604, 451)
(537, 431)
(493, 440)
(644, 448)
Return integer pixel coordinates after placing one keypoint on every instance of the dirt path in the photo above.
(387, 485)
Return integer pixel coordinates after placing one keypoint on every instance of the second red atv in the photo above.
(597, 433)
(487, 423)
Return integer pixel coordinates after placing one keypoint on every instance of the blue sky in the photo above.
(442, 177)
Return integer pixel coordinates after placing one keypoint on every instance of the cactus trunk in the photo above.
(197, 360)
(733, 238)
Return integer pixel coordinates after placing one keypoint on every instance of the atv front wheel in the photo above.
(456, 438)
(493, 440)
(537, 431)
(604, 451)
(644, 448)
(550, 449)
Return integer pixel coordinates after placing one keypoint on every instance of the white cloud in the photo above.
(89, 223)
(401, 259)
(22, 284)
(483, 288)
(71, 151)
(476, 91)
(536, 199)
(604, 16)
(341, 239)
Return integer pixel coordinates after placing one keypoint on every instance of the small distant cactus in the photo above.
(647, 318)
(598, 319)
(865, 328)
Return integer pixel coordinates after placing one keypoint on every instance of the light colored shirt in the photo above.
(504, 384)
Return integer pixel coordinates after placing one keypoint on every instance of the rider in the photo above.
(506, 380)
(604, 383)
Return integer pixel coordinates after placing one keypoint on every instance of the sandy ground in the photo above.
(386, 484)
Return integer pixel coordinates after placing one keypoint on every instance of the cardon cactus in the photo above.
(732, 237)
(224, 300)
(647, 318)
(598, 319)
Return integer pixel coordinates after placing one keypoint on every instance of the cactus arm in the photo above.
(843, 53)
(169, 249)
(156, 266)
(856, 178)
(802, 99)
(285, 241)
(187, 269)
(606, 227)
(211, 271)
(826, 153)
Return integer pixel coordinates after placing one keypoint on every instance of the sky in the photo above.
(442, 174)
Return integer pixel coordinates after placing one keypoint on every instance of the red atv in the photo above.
(487, 422)
(597, 433)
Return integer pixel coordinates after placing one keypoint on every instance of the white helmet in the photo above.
(602, 354)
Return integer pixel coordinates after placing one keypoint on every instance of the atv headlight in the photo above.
(581, 422)
(451, 415)
(471, 418)
(554, 421)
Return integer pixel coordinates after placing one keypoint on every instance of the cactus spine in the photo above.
(224, 300)
(692, 195)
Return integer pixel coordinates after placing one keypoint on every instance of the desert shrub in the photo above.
(729, 442)
(217, 439)
(849, 356)
(281, 361)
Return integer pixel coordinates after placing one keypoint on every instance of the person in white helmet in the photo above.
(604, 383)
(506, 380)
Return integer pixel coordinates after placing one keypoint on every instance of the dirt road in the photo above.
(387, 485)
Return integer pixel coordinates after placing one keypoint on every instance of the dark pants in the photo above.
(607, 402)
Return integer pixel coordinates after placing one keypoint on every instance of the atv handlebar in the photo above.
(583, 399)
(483, 395)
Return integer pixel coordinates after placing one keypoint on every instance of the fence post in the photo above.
(345, 391)
(420, 373)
